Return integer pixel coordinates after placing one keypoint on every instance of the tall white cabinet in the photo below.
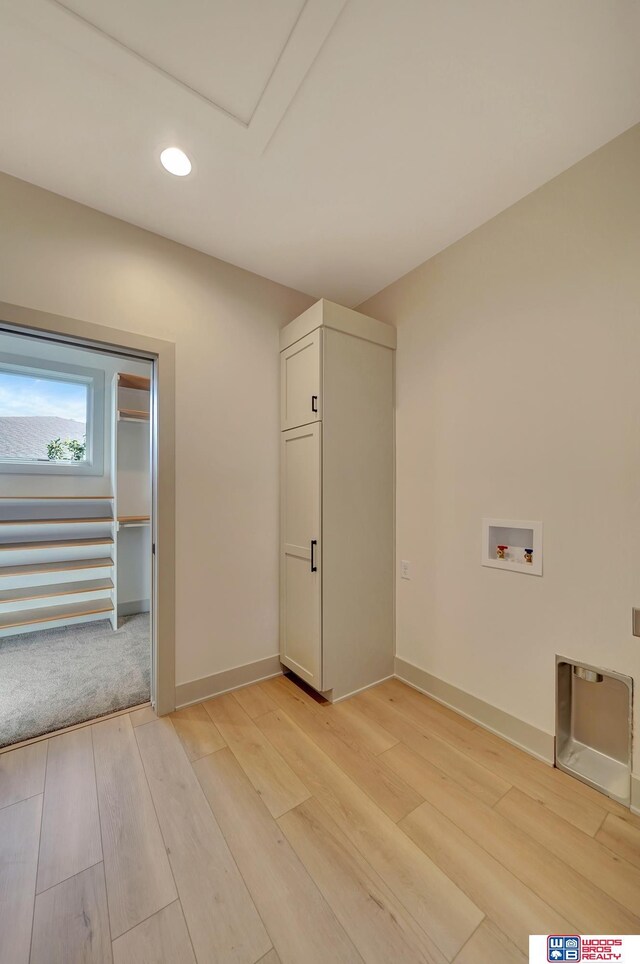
(337, 499)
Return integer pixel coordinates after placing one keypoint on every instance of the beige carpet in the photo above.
(56, 677)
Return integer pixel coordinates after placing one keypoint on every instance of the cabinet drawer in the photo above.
(300, 380)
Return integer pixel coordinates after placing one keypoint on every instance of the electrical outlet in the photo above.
(405, 569)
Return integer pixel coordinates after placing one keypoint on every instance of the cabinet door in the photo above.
(300, 554)
(300, 374)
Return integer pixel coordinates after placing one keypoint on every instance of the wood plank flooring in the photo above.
(70, 839)
(267, 826)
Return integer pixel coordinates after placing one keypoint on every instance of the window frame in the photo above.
(94, 380)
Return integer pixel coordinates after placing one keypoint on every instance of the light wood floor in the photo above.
(266, 826)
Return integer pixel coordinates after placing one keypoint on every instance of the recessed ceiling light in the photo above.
(175, 161)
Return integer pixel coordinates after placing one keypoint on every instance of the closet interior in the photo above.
(131, 451)
(75, 534)
(70, 559)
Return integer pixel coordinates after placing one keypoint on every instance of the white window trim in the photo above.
(93, 378)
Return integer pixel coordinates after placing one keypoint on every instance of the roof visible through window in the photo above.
(42, 419)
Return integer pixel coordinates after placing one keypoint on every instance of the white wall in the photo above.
(65, 258)
(518, 396)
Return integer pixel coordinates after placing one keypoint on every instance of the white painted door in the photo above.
(300, 553)
(300, 375)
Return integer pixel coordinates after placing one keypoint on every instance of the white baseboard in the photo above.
(635, 795)
(229, 679)
(523, 735)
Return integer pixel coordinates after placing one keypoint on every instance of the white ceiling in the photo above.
(335, 144)
(225, 50)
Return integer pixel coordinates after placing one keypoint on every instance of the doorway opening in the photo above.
(77, 456)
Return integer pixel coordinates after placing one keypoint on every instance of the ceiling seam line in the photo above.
(149, 63)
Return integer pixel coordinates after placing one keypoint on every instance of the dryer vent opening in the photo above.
(593, 726)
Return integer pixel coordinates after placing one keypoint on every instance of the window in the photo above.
(42, 419)
(50, 418)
